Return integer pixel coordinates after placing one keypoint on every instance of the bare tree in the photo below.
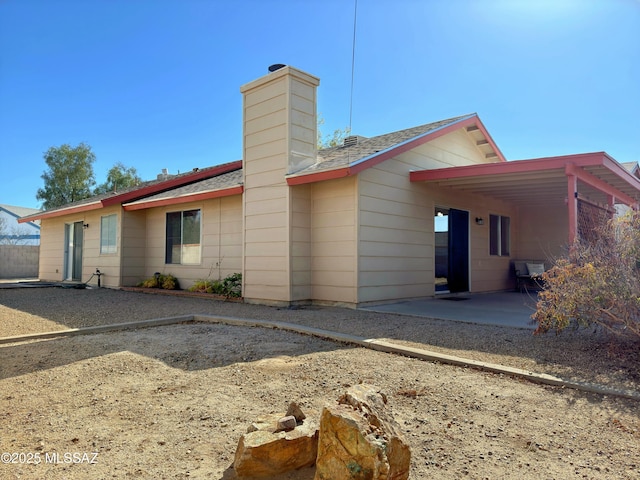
(12, 235)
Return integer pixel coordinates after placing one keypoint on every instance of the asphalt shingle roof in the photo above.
(343, 156)
(328, 159)
(220, 182)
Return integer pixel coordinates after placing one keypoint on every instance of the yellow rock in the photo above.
(360, 440)
(262, 453)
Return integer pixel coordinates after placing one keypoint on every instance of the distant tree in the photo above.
(331, 140)
(119, 178)
(69, 177)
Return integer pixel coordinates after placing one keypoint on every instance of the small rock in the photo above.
(264, 453)
(286, 424)
(294, 410)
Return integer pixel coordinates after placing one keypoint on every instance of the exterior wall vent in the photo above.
(350, 141)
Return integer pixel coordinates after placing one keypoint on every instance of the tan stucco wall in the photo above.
(396, 234)
(451, 150)
(543, 231)
(52, 250)
(92, 259)
(279, 112)
(133, 246)
(221, 237)
(334, 241)
(396, 238)
(301, 243)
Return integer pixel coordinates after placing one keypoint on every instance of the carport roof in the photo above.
(541, 181)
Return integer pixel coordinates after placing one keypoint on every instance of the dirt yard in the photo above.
(171, 402)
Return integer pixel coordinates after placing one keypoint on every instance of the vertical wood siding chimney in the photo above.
(279, 138)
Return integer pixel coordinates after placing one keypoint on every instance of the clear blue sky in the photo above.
(155, 83)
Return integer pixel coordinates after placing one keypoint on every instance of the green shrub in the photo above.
(230, 286)
(160, 280)
(203, 286)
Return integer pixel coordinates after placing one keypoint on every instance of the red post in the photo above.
(572, 206)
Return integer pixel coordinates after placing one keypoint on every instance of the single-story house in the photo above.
(397, 216)
(11, 232)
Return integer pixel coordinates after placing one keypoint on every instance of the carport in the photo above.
(579, 183)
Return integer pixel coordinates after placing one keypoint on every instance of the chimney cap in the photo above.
(276, 66)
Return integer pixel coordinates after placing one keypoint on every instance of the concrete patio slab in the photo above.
(506, 309)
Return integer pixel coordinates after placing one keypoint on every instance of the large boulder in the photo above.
(267, 449)
(359, 439)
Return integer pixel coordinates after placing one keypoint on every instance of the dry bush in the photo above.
(597, 283)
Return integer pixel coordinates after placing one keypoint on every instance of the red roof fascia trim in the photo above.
(577, 158)
(173, 183)
(185, 199)
(59, 213)
(498, 168)
(319, 176)
(595, 182)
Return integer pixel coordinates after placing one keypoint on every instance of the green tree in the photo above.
(119, 178)
(331, 140)
(597, 283)
(69, 177)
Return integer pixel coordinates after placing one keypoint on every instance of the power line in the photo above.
(353, 61)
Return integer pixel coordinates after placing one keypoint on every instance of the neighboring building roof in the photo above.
(19, 212)
(633, 168)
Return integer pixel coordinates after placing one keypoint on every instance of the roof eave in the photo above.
(371, 160)
(172, 183)
(85, 207)
(140, 192)
(193, 197)
(516, 166)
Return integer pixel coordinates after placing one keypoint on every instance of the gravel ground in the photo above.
(582, 355)
(171, 402)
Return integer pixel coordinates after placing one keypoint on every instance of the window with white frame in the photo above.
(499, 235)
(108, 226)
(183, 237)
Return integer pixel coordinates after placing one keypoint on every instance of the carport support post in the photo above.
(572, 205)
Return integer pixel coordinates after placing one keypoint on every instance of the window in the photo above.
(183, 238)
(108, 225)
(499, 235)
